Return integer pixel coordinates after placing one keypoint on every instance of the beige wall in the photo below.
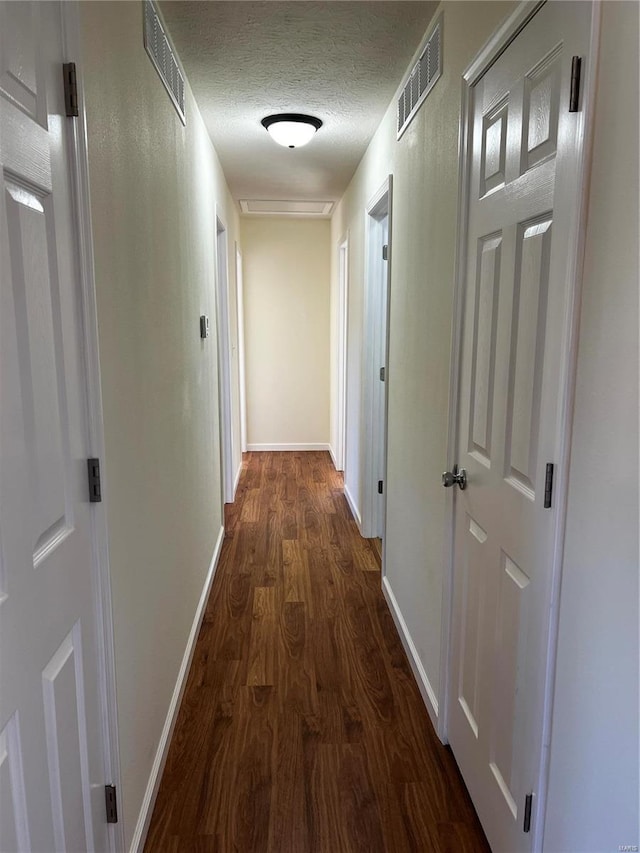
(424, 165)
(286, 265)
(594, 792)
(154, 185)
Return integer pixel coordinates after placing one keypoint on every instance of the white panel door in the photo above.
(51, 759)
(224, 368)
(521, 211)
(380, 403)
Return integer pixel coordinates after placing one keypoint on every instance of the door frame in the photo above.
(223, 328)
(105, 646)
(241, 353)
(342, 316)
(379, 206)
(498, 43)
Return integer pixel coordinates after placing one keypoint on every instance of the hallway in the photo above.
(301, 727)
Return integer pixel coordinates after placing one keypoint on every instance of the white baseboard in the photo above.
(333, 457)
(261, 447)
(353, 507)
(237, 480)
(148, 802)
(424, 685)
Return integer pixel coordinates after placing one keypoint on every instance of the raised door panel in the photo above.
(63, 698)
(33, 277)
(493, 156)
(526, 354)
(540, 112)
(509, 653)
(474, 584)
(483, 355)
(21, 59)
(14, 827)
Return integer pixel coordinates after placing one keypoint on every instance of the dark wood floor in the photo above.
(301, 727)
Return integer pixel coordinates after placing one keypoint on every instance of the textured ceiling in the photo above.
(340, 61)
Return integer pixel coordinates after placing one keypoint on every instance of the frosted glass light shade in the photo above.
(291, 134)
(290, 129)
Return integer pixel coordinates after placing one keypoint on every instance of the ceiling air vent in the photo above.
(281, 207)
(163, 56)
(423, 77)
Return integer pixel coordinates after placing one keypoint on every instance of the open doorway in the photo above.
(378, 254)
(241, 362)
(340, 423)
(224, 362)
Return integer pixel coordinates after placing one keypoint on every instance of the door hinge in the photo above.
(385, 253)
(574, 89)
(528, 803)
(382, 374)
(548, 485)
(93, 473)
(380, 487)
(111, 803)
(70, 89)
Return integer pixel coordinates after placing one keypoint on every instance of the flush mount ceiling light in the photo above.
(291, 130)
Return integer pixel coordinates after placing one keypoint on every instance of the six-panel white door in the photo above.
(51, 759)
(521, 211)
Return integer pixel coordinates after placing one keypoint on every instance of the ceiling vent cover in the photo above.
(423, 77)
(163, 56)
(282, 207)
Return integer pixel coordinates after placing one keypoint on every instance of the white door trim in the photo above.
(380, 205)
(241, 354)
(487, 56)
(341, 340)
(223, 330)
(105, 648)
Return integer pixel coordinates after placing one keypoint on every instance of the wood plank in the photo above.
(262, 645)
(251, 506)
(326, 820)
(297, 582)
(296, 677)
(288, 829)
(245, 811)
